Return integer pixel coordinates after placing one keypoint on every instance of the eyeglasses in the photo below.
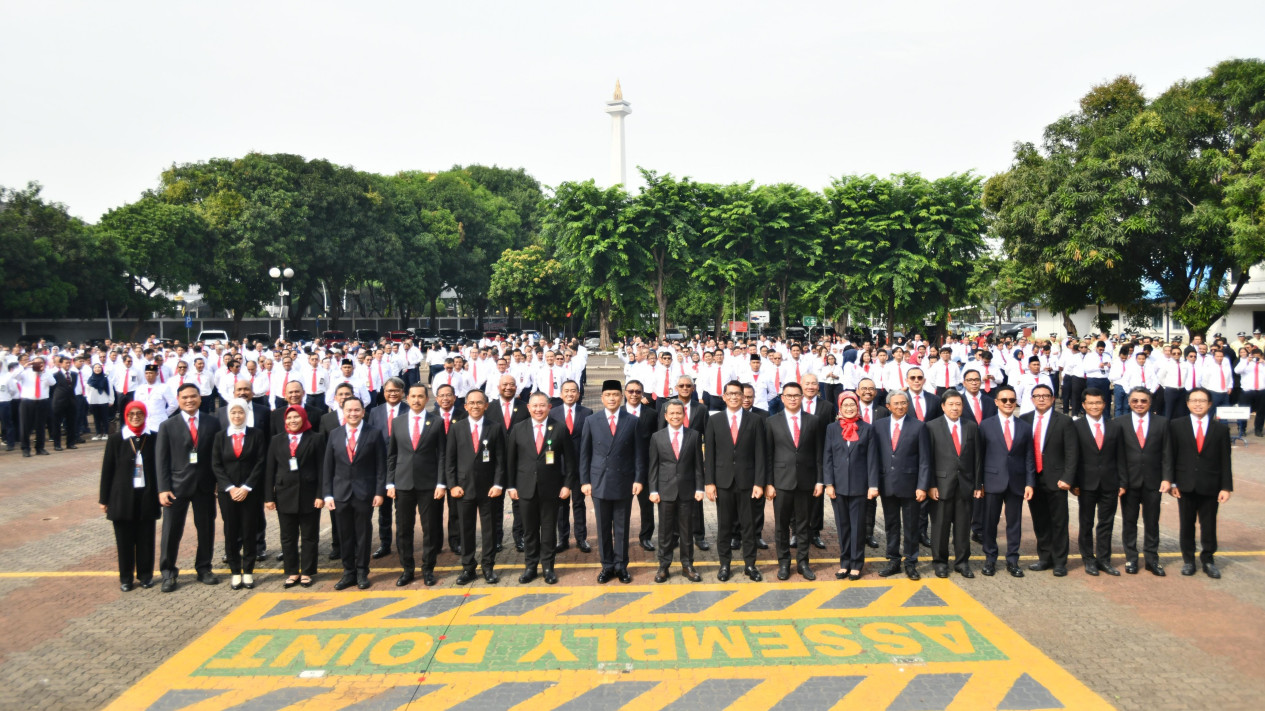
(1138, 401)
(1006, 400)
(915, 377)
(633, 392)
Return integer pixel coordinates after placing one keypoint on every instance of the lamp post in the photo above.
(281, 275)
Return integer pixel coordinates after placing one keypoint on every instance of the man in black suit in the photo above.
(1097, 482)
(382, 418)
(676, 481)
(1010, 476)
(612, 471)
(955, 449)
(870, 412)
(474, 473)
(1055, 451)
(449, 413)
(735, 474)
(505, 412)
(979, 406)
(695, 418)
(1203, 478)
(572, 415)
(330, 421)
(66, 380)
(542, 470)
(904, 451)
(294, 396)
(354, 480)
(647, 424)
(185, 480)
(1146, 470)
(415, 459)
(824, 410)
(793, 441)
(757, 505)
(925, 406)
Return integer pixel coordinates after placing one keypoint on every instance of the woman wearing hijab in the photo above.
(850, 472)
(237, 460)
(100, 397)
(129, 495)
(292, 484)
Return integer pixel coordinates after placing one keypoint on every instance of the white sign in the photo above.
(759, 317)
(1225, 412)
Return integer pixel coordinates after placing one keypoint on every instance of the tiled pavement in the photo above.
(71, 640)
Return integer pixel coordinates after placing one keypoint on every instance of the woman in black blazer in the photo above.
(292, 484)
(850, 472)
(129, 495)
(237, 460)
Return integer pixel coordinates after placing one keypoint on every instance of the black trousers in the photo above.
(849, 524)
(355, 529)
(1146, 502)
(1194, 507)
(1049, 522)
(576, 507)
(174, 517)
(787, 505)
(64, 420)
(1093, 538)
(300, 534)
(540, 530)
(898, 509)
(647, 515)
(478, 508)
(1255, 399)
(978, 508)
(1073, 386)
(994, 504)
(1175, 403)
(336, 541)
(410, 505)
(757, 520)
(135, 542)
(101, 418)
(871, 515)
(676, 525)
(498, 519)
(454, 522)
(953, 511)
(33, 417)
(734, 509)
(81, 415)
(385, 513)
(241, 524)
(613, 518)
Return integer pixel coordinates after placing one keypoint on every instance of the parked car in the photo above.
(211, 338)
(398, 336)
(449, 335)
(265, 338)
(796, 333)
(673, 334)
(296, 335)
(365, 335)
(333, 338)
(31, 338)
(424, 336)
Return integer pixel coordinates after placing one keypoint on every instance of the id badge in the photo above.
(138, 473)
(487, 455)
(294, 464)
(193, 457)
(548, 456)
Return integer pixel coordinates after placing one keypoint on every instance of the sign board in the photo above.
(188, 322)
(810, 321)
(759, 317)
(737, 326)
(1226, 412)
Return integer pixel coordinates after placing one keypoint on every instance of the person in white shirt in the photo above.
(1030, 380)
(1252, 380)
(1218, 378)
(944, 374)
(158, 399)
(346, 374)
(34, 385)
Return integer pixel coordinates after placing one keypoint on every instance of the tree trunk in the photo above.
(720, 314)
(660, 295)
(1067, 323)
(604, 323)
(783, 297)
(891, 318)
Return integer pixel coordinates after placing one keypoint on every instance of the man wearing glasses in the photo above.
(1147, 473)
(1010, 476)
(1098, 484)
(1054, 451)
(694, 418)
(647, 424)
(1203, 478)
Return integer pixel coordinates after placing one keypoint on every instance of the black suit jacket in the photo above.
(377, 418)
(63, 392)
(931, 405)
(906, 470)
(277, 420)
(581, 413)
(612, 463)
(955, 472)
(850, 467)
(877, 413)
(1097, 468)
(420, 468)
(1144, 467)
(673, 478)
(329, 422)
(464, 466)
(825, 412)
(986, 405)
(294, 492)
(263, 418)
(791, 467)
(696, 413)
(363, 478)
(175, 473)
(1207, 472)
(117, 467)
(740, 466)
(1008, 470)
(528, 471)
(517, 415)
(246, 470)
(1060, 451)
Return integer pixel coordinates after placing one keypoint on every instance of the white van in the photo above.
(211, 338)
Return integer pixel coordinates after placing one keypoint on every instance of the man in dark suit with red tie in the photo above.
(818, 406)
(793, 440)
(415, 461)
(1054, 449)
(675, 474)
(354, 480)
(1203, 479)
(185, 480)
(904, 451)
(505, 412)
(542, 469)
(382, 418)
(474, 472)
(956, 449)
(695, 418)
(1146, 471)
(613, 472)
(572, 415)
(1097, 482)
(1010, 477)
(735, 475)
(978, 405)
(870, 412)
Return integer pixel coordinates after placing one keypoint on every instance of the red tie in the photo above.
(551, 383)
(540, 437)
(900, 376)
(390, 419)
(895, 435)
(733, 427)
(127, 379)
(665, 382)
(38, 377)
(1199, 435)
(1006, 431)
(957, 443)
(946, 375)
(313, 381)
(1098, 434)
(447, 420)
(1143, 377)
(450, 378)
(867, 414)
(979, 415)
(474, 436)
(612, 425)
(193, 430)
(1179, 375)
(687, 415)
(795, 431)
(417, 429)
(676, 443)
(777, 379)
(505, 406)
(237, 444)
(1221, 370)
(180, 383)
(294, 444)
(718, 379)
(351, 445)
(570, 422)
(797, 378)
(918, 406)
(987, 385)
(1036, 441)
(1141, 436)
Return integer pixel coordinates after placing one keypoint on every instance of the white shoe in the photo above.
(248, 581)
(236, 583)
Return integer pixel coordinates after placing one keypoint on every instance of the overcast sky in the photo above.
(97, 98)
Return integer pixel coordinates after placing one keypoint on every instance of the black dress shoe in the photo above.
(783, 571)
(345, 582)
(646, 545)
(1131, 568)
(871, 542)
(625, 577)
(912, 573)
(690, 574)
(806, 572)
(605, 576)
(976, 537)
(208, 578)
(466, 577)
(942, 571)
(1040, 566)
(306, 584)
(491, 577)
(527, 576)
(1212, 571)
(735, 544)
(1156, 569)
(794, 542)
(498, 547)
(1091, 567)
(169, 584)
(1014, 570)
(759, 543)
(456, 550)
(26, 453)
(723, 574)
(71, 446)
(892, 568)
(1060, 572)
(518, 545)
(854, 575)
(584, 546)
(925, 541)
(291, 583)
(661, 575)
(990, 569)
(57, 448)
(965, 571)
(1188, 569)
(405, 578)
(335, 554)
(362, 582)
(42, 452)
(753, 573)
(281, 555)
(126, 587)
(428, 578)
(818, 543)
(147, 584)
(381, 552)
(550, 577)
(702, 544)
(840, 575)
(224, 559)
(1108, 569)
(563, 546)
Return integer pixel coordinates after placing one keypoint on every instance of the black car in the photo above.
(449, 335)
(265, 338)
(365, 335)
(296, 335)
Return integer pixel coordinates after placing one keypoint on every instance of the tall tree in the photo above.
(666, 219)
(793, 229)
(531, 282)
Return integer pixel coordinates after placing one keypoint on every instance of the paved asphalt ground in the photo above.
(71, 640)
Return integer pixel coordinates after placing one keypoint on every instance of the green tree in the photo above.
(666, 219)
(531, 282)
(793, 228)
(520, 190)
(731, 254)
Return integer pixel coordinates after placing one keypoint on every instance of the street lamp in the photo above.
(281, 275)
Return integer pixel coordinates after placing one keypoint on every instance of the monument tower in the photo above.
(618, 109)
